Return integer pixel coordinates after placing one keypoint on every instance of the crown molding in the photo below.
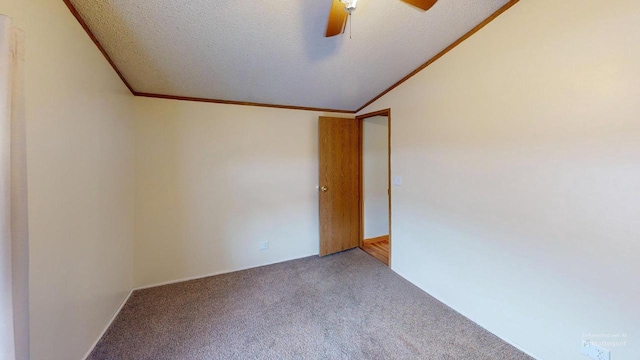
(243, 103)
(86, 28)
(464, 37)
(84, 25)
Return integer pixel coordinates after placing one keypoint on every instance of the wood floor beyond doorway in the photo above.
(378, 248)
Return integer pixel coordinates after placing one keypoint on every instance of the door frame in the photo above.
(360, 119)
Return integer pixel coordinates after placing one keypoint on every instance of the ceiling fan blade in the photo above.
(422, 4)
(337, 19)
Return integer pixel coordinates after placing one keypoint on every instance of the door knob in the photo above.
(324, 189)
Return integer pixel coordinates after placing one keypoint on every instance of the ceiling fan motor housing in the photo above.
(350, 5)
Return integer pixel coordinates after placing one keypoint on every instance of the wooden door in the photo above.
(339, 142)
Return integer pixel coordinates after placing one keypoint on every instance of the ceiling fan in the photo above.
(341, 9)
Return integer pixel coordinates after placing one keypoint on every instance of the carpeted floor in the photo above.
(344, 306)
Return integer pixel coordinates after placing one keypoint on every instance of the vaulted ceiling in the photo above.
(274, 52)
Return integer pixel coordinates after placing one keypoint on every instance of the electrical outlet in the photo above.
(594, 351)
(264, 245)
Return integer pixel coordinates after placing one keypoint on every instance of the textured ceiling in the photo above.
(274, 52)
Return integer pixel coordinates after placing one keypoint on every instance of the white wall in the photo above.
(519, 152)
(213, 180)
(7, 339)
(375, 168)
(80, 166)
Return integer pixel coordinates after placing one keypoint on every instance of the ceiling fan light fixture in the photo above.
(350, 5)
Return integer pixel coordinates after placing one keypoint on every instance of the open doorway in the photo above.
(375, 190)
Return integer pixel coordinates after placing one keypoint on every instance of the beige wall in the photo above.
(375, 168)
(519, 152)
(80, 166)
(212, 181)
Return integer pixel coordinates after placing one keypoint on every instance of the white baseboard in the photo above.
(93, 346)
(217, 273)
(253, 267)
(515, 345)
(115, 314)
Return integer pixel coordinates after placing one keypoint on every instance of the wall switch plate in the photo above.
(264, 245)
(594, 351)
(397, 180)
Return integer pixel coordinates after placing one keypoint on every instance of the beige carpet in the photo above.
(344, 306)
